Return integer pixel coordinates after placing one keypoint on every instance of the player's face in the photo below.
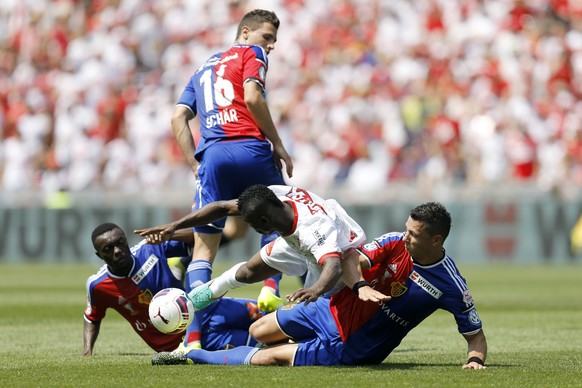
(261, 224)
(113, 248)
(419, 243)
(265, 36)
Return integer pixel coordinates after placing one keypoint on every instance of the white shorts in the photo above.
(287, 260)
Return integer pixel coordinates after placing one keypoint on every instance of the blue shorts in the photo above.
(227, 168)
(314, 330)
(225, 324)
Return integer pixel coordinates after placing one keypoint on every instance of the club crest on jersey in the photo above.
(145, 269)
(425, 285)
(145, 297)
(397, 289)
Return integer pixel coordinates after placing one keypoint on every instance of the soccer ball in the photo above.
(171, 311)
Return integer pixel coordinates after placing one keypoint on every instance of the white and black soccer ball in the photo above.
(171, 311)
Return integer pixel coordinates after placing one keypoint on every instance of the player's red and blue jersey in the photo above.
(216, 94)
(390, 265)
(130, 296)
(322, 330)
(427, 288)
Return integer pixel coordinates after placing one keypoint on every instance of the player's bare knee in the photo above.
(244, 274)
(272, 356)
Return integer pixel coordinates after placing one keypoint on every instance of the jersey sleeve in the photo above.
(459, 302)
(188, 97)
(95, 310)
(382, 248)
(322, 238)
(255, 65)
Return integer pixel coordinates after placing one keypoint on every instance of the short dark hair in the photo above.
(103, 228)
(255, 19)
(254, 198)
(435, 217)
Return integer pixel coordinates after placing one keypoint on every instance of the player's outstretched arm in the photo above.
(477, 351)
(352, 277)
(206, 214)
(90, 334)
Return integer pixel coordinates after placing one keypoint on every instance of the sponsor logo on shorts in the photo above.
(474, 317)
(467, 298)
(319, 239)
(288, 306)
(269, 247)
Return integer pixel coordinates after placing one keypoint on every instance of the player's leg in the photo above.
(269, 298)
(252, 163)
(281, 354)
(226, 325)
(239, 275)
(242, 274)
(276, 355)
(199, 272)
(266, 330)
(234, 229)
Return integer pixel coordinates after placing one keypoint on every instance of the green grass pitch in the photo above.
(532, 318)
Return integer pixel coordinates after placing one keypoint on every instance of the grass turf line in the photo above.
(531, 315)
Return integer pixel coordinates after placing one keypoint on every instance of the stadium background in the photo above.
(382, 104)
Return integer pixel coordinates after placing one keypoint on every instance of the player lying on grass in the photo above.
(314, 234)
(349, 329)
(132, 276)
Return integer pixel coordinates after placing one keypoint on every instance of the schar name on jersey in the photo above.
(425, 285)
(145, 269)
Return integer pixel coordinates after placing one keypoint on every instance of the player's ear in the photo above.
(244, 32)
(437, 239)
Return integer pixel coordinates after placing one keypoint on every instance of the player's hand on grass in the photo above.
(368, 294)
(306, 295)
(474, 365)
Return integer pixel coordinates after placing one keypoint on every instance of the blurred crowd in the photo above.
(365, 93)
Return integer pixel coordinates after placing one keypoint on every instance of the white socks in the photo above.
(226, 282)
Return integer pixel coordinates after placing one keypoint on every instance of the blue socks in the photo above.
(199, 272)
(236, 356)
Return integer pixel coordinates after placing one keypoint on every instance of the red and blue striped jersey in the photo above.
(390, 265)
(130, 296)
(426, 289)
(216, 94)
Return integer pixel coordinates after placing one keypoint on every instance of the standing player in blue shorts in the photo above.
(239, 145)
(351, 328)
(132, 276)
